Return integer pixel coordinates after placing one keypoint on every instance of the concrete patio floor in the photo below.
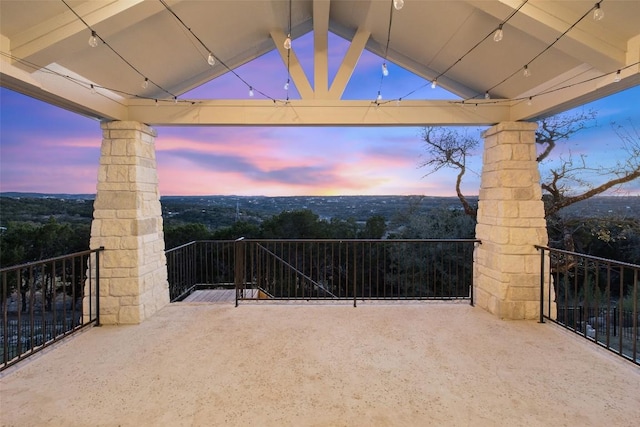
(416, 364)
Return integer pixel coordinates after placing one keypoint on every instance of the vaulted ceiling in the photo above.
(574, 58)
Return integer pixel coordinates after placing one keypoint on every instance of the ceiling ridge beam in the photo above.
(349, 63)
(321, 47)
(295, 68)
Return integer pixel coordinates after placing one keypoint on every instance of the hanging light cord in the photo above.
(116, 52)
(386, 49)
(468, 52)
(546, 48)
(289, 55)
(211, 52)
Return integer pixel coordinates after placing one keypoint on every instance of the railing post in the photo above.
(541, 284)
(98, 252)
(238, 278)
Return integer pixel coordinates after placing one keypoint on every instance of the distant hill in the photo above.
(217, 211)
(63, 196)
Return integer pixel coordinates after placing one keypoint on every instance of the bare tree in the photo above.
(447, 148)
(568, 182)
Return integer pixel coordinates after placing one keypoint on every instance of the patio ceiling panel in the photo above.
(429, 38)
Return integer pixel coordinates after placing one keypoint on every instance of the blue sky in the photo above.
(50, 150)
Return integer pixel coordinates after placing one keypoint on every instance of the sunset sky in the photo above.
(50, 150)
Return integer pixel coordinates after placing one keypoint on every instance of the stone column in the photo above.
(127, 221)
(510, 222)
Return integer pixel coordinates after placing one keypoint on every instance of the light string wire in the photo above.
(469, 101)
(289, 55)
(192, 102)
(85, 84)
(548, 91)
(116, 52)
(386, 49)
(251, 87)
(468, 52)
(546, 48)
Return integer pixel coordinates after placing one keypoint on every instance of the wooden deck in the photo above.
(217, 296)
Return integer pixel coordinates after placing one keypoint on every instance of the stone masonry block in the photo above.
(523, 236)
(118, 147)
(532, 208)
(115, 200)
(129, 286)
(523, 193)
(524, 152)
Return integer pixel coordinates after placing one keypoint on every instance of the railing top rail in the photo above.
(366, 240)
(44, 261)
(591, 257)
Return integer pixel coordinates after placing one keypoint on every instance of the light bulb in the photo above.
(486, 95)
(598, 13)
(287, 42)
(145, 83)
(175, 99)
(398, 4)
(93, 89)
(286, 85)
(385, 70)
(211, 60)
(93, 40)
(379, 96)
(398, 101)
(498, 34)
(526, 72)
(529, 101)
(251, 92)
(617, 77)
(434, 83)
(156, 102)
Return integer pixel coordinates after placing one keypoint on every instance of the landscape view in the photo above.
(602, 226)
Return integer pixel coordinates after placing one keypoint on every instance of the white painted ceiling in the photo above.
(45, 54)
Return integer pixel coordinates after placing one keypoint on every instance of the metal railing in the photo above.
(199, 265)
(596, 298)
(44, 301)
(300, 269)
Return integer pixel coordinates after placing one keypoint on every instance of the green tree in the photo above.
(375, 228)
(179, 235)
(299, 224)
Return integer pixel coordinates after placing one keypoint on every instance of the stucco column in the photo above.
(127, 221)
(510, 222)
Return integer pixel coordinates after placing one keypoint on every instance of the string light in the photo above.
(93, 40)
(175, 99)
(498, 34)
(385, 70)
(598, 13)
(530, 101)
(286, 85)
(526, 72)
(93, 89)
(211, 60)
(287, 42)
(617, 77)
(251, 91)
(434, 83)
(486, 95)
(379, 98)
(398, 4)
(145, 83)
